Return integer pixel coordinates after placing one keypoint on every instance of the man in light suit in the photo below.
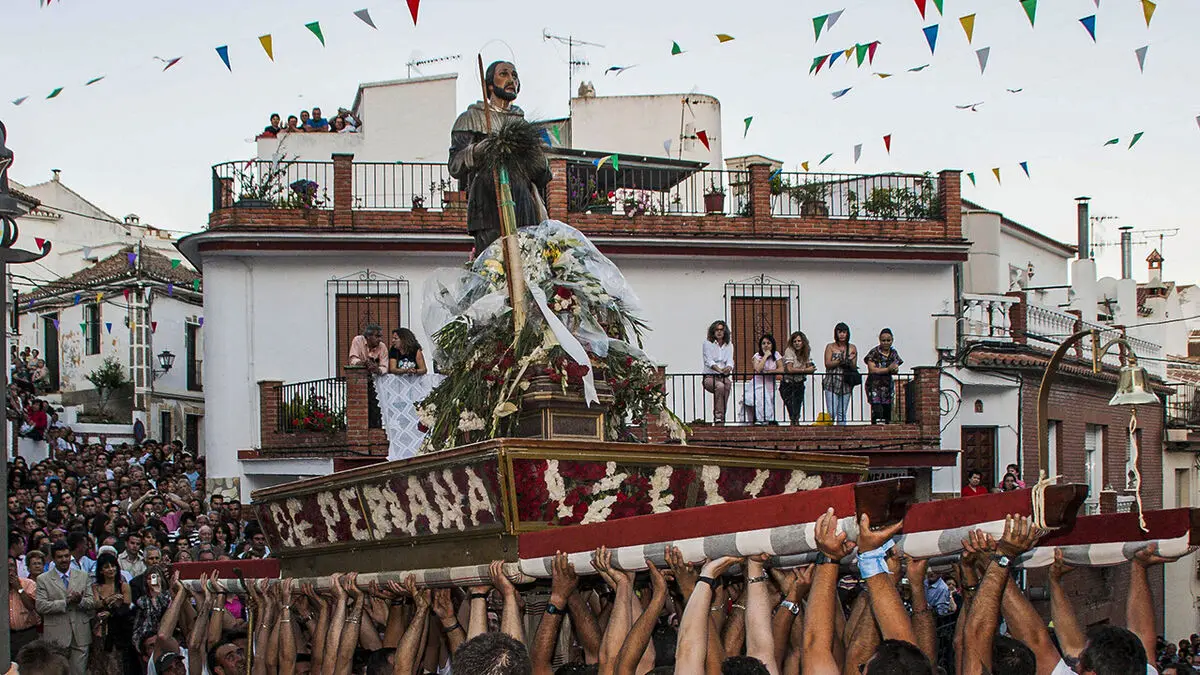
(64, 599)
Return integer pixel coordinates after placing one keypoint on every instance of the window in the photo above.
(759, 306)
(191, 434)
(1183, 488)
(193, 362)
(1093, 462)
(165, 432)
(91, 330)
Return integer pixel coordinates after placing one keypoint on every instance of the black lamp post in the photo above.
(10, 210)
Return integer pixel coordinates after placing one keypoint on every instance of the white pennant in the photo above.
(857, 152)
(983, 54)
(832, 19)
(667, 147)
(1141, 57)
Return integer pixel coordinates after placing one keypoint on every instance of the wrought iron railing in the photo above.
(845, 195)
(1183, 408)
(316, 405)
(657, 190)
(405, 186)
(264, 183)
(772, 399)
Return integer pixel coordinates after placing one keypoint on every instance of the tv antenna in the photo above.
(570, 41)
(417, 63)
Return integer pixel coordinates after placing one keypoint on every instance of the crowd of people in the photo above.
(729, 615)
(345, 122)
(784, 375)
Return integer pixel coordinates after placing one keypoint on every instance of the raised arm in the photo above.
(620, 619)
(477, 622)
(759, 642)
(795, 585)
(893, 620)
(510, 622)
(410, 644)
(443, 607)
(265, 616)
(333, 636)
(1071, 639)
(980, 630)
(924, 628)
(564, 582)
(351, 625)
(287, 636)
(822, 599)
(692, 649)
(1139, 609)
(639, 636)
(321, 606)
(1026, 626)
(587, 628)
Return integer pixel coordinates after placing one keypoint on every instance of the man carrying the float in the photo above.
(468, 147)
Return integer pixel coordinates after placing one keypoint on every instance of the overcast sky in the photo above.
(142, 140)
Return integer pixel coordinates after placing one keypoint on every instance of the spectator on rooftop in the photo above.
(305, 118)
(292, 125)
(316, 122)
(273, 128)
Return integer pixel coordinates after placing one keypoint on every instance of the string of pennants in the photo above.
(265, 41)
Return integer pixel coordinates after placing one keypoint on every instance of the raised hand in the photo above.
(352, 589)
(977, 546)
(685, 574)
(1019, 535)
(715, 568)
(443, 605)
(500, 581)
(915, 570)
(564, 581)
(869, 540)
(1059, 569)
(1149, 557)
(658, 580)
(285, 591)
(335, 584)
(602, 561)
(829, 541)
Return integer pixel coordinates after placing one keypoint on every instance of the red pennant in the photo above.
(412, 9)
(921, 7)
(40, 242)
(703, 136)
(887, 143)
(153, 326)
(126, 294)
(871, 51)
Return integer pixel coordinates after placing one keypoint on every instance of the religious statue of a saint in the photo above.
(468, 146)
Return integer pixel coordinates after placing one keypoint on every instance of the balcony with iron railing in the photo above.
(645, 200)
(1183, 407)
(1011, 319)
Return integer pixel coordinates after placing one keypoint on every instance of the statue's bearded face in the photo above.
(505, 83)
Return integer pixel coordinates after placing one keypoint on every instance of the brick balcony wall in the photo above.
(761, 222)
(356, 440)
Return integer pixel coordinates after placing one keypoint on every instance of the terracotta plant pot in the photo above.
(714, 203)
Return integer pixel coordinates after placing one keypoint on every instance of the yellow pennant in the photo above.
(968, 24)
(99, 297)
(723, 38)
(849, 52)
(996, 171)
(804, 165)
(1148, 10)
(265, 41)
(883, 76)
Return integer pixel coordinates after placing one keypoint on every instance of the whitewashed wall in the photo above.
(640, 124)
(1000, 396)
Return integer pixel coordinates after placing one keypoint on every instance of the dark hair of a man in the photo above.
(664, 637)
(1112, 650)
(1012, 657)
(1174, 668)
(42, 658)
(57, 546)
(897, 657)
(577, 669)
(212, 653)
(377, 663)
(743, 665)
(491, 654)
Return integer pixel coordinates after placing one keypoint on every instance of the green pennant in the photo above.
(196, 285)
(747, 122)
(825, 159)
(818, 24)
(1030, 9)
(83, 328)
(675, 50)
(175, 262)
(56, 92)
(817, 63)
(938, 4)
(1112, 141)
(861, 52)
(1136, 137)
(315, 27)
(557, 133)
(971, 175)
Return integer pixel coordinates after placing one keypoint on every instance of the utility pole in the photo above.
(10, 210)
(570, 42)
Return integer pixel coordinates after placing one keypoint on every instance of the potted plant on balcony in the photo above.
(451, 198)
(811, 198)
(418, 204)
(260, 184)
(714, 199)
(600, 203)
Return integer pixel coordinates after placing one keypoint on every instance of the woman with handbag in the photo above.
(841, 373)
(882, 363)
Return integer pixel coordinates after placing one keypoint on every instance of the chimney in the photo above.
(1126, 251)
(1155, 261)
(132, 219)
(55, 177)
(1085, 244)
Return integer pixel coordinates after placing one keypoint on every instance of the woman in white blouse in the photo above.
(718, 367)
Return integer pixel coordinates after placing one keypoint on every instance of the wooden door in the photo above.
(751, 318)
(979, 454)
(354, 312)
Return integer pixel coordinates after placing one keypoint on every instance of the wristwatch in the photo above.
(1002, 560)
(758, 580)
(551, 609)
(791, 607)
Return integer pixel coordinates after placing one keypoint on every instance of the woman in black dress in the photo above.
(405, 357)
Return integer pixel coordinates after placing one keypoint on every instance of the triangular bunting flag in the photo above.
(175, 262)
(996, 173)
(804, 165)
(938, 4)
(87, 252)
(848, 52)
(99, 296)
(817, 63)
(557, 133)
(108, 327)
(126, 294)
(724, 37)
(834, 57)
(971, 176)
(1148, 10)
(667, 147)
(887, 143)
(265, 41)
(132, 257)
(825, 159)
(818, 24)
(19, 101)
(83, 328)
(1030, 9)
(612, 159)
(841, 92)
(747, 122)
(1112, 141)
(75, 300)
(871, 51)
(92, 81)
(170, 289)
(1198, 120)
(1089, 22)
(39, 242)
(153, 326)
(918, 68)
(223, 52)
(315, 27)
(921, 7)
(55, 93)
(857, 152)
(171, 62)
(365, 15)
(861, 52)
(883, 76)
(931, 36)
(833, 19)
(703, 136)
(675, 49)
(982, 54)
(1141, 57)
(968, 25)
(413, 6)
(1136, 137)
(196, 285)
(200, 321)
(1025, 168)
(55, 321)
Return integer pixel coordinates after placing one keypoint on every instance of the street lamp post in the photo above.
(9, 211)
